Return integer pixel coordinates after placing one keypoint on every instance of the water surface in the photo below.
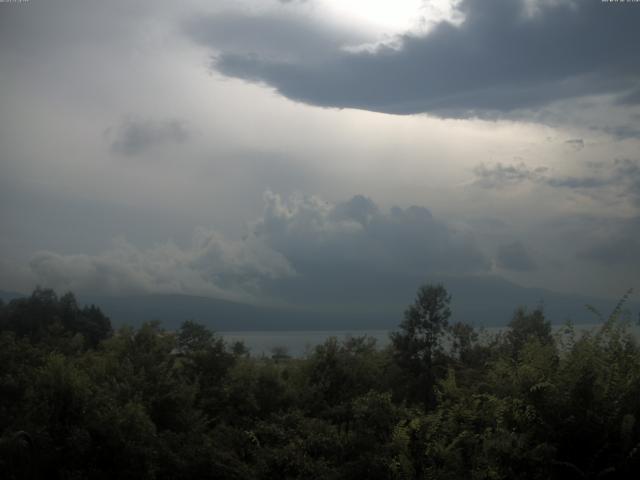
(298, 343)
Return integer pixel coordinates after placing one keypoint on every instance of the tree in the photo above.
(525, 326)
(419, 341)
(206, 362)
(45, 317)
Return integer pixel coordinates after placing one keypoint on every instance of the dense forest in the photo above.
(442, 401)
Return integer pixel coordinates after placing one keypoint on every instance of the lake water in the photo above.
(299, 343)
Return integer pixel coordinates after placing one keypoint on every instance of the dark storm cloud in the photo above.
(514, 256)
(354, 251)
(306, 229)
(134, 136)
(504, 56)
(302, 249)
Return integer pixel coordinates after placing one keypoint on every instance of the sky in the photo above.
(319, 151)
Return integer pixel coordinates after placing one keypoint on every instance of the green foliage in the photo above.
(419, 343)
(45, 318)
(442, 402)
(525, 326)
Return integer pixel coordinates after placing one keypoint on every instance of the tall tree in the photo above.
(525, 326)
(419, 340)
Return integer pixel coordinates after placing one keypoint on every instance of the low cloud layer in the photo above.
(505, 55)
(514, 256)
(302, 249)
(212, 266)
(616, 244)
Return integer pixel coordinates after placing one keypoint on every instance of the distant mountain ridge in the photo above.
(7, 296)
(488, 301)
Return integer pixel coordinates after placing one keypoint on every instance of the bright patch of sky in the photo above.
(392, 17)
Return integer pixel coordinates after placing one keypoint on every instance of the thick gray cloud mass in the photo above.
(302, 250)
(618, 247)
(211, 266)
(514, 256)
(506, 55)
(356, 231)
(620, 250)
(134, 136)
(353, 252)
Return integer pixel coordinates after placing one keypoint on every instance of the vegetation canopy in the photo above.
(442, 401)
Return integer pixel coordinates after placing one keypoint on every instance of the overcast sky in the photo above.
(321, 150)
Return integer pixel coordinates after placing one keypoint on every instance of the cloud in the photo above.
(623, 132)
(514, 256)
(306, 228)
(631, 98)
(576, 144)
(619, 177)
(500, 175)
(135, 136)
(505, 55)
(212, 266)
(618, 246)
(354, 251)
(302, 250)
(284, 37)
(578, 182)
(620, 250)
